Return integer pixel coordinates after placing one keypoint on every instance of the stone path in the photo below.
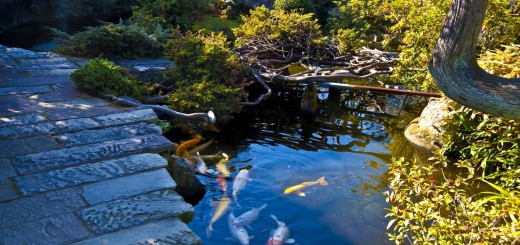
(76, 169)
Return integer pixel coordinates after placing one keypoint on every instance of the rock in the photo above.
(188, 185)
(427, 131)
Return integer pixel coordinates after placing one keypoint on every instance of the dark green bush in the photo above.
(100, 76)
(208, 74)
(111, 40)
(306, 5)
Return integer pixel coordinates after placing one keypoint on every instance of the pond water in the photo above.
(350, 142)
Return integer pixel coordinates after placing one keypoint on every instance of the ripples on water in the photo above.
(350, 142)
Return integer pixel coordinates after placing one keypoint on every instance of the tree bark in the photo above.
(454, 67)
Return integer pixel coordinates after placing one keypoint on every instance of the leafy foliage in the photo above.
(411, 27)
(205, 62)
(100, 76)
(111, 40)
(169, 13)
(300, 5)
(293, 28)
(504, 63)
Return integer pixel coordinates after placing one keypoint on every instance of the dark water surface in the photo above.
(350, 142)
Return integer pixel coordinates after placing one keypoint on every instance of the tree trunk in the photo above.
(454, 67)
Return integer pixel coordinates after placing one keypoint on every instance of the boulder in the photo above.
(188, 185)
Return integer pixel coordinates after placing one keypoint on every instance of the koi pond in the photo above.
(349, 143)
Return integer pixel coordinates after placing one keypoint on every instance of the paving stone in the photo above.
(7, 191)
(88, 173)
(61, 94)
(25, 54)
(128, 186)
(61, 114)
(46, 64)
(11, 148)
(75, 104)
(146, 115)
(33, 81)
(6, 169)
(107, 134)
(67, 157)
(57, 127)
(25, 90)
(56, 230)
(22, 120)
(170, 231)
(38, 207)
(41, 143)
(124, 213)
(16, 104)
(51, 73)
(7, 62)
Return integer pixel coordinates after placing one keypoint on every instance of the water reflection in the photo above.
(350, 142)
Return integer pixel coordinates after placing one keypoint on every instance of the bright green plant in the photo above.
(208, 74)
(293, 28)
(500, 62)
(100, 76)
(300, 5)
(111, 41)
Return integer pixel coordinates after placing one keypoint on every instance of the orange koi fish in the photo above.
(182, 149)
(297, 188)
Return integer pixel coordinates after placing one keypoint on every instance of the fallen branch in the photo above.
(262, 96)
(210, 116)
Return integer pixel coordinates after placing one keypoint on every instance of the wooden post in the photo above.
(309, 100)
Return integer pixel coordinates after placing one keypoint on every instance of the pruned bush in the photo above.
(208, 74)
(112, 41)
(300, 5)
(100, 76)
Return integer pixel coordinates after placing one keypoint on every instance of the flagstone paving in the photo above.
(76, 169)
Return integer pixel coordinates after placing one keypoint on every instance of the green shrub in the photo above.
(288, 28)
(504, 62)
(112, 41)
(100, 76)
(306, 5)
(207, 73)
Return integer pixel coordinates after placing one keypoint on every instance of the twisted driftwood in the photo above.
(210, 116)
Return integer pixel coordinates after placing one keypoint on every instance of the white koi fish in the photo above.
(248, 217)
(280, 235)
(237, 231)
(298, 188)
(201, 166)
(220, 209)
(239, 183)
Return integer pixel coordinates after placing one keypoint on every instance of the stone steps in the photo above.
(77, 169)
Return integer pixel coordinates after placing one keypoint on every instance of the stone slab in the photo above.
(82, 104)
(56, 230)
(29, 209)
(22, 120)
(33, 81)
(170, 231)
(6, 169)
(124, 213)
(61, 114)
(41, 143)
(11, 148)
(107, 134)
(71, 156)
(51, 73)
(7, 191)
(25, 90)
(57, 127)
(88, 173)
(145, 115)
(62, 94)
(128, 186)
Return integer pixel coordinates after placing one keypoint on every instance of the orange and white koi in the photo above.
(281, 235)
(222, 182)
(221, 207)
(221, 166)
(298, 188)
